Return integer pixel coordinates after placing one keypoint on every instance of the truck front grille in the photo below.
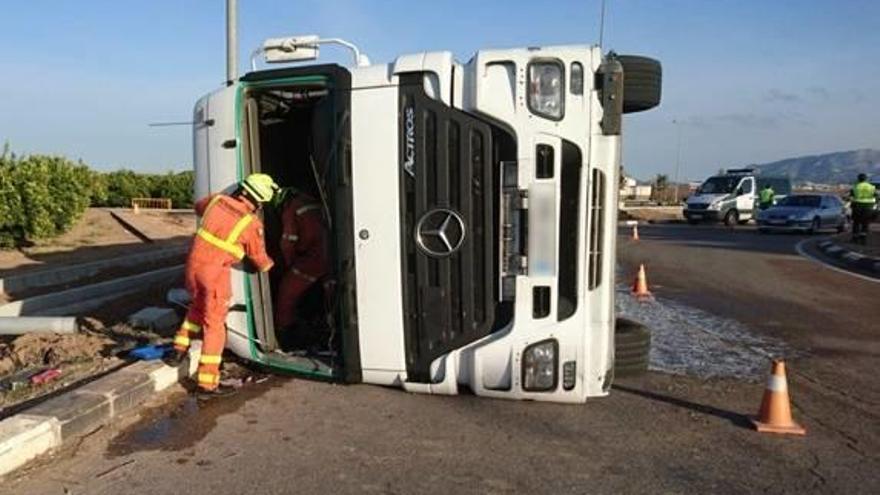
(449, 202)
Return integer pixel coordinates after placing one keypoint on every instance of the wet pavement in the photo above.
(183, 421)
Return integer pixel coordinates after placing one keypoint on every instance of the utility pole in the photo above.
(231, 41)
(677, 159)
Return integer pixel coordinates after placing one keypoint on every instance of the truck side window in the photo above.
(544, 161)
(577, 78)
(747, 186)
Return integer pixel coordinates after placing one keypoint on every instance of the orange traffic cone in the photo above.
(635, 236)
(640, 286)
(775, 415)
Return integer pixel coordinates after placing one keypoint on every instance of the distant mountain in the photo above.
(831, 168)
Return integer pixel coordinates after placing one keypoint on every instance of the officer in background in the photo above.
(765, 197)
(863, 198)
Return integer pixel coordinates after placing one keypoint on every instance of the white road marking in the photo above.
(800, 249)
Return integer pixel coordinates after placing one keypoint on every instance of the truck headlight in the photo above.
(546, 88)
(715, 205)
(539, 366)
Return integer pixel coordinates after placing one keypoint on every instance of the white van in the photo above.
(471, 210)
(731, 197)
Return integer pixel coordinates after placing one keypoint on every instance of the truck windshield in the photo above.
(719, 185)
(803, 200)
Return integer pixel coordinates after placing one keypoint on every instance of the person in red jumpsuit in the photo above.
(304, 249)
(229, 231)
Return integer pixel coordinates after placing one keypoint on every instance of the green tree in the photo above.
(40, 196)
(176, 186)
(123, 185)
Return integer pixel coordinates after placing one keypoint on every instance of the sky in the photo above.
(745, 81)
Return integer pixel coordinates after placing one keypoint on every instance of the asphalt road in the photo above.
(656, 433)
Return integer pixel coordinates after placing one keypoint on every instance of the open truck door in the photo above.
(293, 125)
(215, 159)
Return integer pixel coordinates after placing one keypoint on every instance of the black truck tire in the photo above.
(642, 82)
(632, 347)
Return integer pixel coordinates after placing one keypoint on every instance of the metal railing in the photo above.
(150, 204)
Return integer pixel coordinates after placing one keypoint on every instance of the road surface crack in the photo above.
(814, 470)
(851, 441)
(837, 391)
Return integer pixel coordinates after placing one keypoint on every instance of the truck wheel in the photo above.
(632, 346)
(731, 218)
(642, 77)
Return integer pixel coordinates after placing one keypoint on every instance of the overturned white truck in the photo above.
(471, 212)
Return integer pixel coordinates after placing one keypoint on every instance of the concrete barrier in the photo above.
(48, 277)
(74, 302)
(48, 425)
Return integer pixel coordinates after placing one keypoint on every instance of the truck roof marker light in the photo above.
(301, 48)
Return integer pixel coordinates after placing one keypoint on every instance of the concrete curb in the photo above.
(50, 424)
(850, 258)
(49, 277)
(75, 301)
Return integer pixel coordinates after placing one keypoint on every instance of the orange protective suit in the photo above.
(304, 248)
(228, 232)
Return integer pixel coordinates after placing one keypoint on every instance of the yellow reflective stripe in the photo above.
(209, 359)
(190, 326)
(211, 203)
(208, 208)
(181, 340)
(209, 378)
(233, 249)
(242, 224)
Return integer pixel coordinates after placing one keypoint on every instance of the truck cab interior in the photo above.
(295, 129)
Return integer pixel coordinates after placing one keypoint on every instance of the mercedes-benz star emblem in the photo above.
(440, 232)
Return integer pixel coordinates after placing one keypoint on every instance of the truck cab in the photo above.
(470, 213)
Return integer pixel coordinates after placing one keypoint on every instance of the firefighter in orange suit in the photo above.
(229, 231)
(303, 246)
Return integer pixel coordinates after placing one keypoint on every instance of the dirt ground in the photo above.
(104, 339)
(105, 336)
(99, 235)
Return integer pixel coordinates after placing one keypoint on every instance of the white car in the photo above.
(732, 198)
